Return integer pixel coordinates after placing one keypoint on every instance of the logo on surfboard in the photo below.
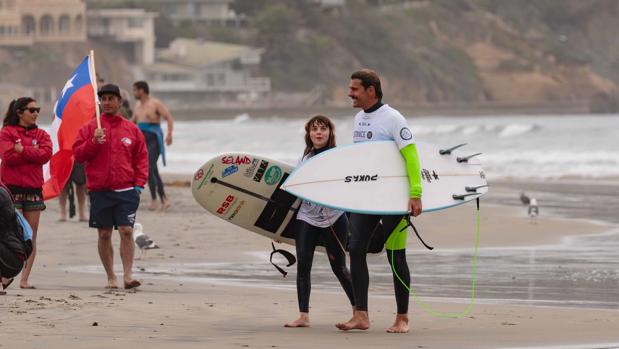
(273, 175)
(361, 178)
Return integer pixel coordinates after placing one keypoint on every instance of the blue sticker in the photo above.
(229, 170)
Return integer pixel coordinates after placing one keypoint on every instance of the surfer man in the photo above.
(147, 114)
(116, 163)
(379, 122)
(316, 223)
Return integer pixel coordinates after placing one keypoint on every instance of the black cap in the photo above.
(109, 88)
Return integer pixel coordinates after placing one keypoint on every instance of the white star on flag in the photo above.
(68, 85)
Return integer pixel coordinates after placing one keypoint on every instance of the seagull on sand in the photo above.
(142, 241)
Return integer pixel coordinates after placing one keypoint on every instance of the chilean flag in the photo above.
(74, 108)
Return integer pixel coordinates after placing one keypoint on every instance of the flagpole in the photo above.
(94, 85)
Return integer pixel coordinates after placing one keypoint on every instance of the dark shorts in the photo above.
(78, 174)
(113, 209)
(27, 199)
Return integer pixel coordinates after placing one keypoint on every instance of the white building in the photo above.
(207, 72)
(134, 29)
(216, 12)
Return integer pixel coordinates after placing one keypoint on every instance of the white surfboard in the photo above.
(370, 177)
(243, 189)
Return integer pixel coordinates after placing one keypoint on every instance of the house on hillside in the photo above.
(132, 29)
(207, 73)
(214, 12)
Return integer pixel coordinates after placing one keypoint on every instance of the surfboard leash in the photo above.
(289, 257)
(409, 223)
(425, 306)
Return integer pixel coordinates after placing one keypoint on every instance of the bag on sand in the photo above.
(15, 237)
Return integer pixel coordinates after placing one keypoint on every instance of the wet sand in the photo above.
(70, 308)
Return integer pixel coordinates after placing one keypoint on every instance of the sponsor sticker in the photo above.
(229, 170)
(226, 204)
(261, 169)
(199, 174)
(236, 210)
(273, 175)
(207, 176)
(238, 160)
(249, 172)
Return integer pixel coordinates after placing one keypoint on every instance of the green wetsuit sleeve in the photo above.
(413, 169)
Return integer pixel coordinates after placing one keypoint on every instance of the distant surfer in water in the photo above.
(317, 223)
(380, 122)
(148, 114)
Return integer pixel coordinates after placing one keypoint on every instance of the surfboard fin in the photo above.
(466, 158)
(448, 151)
(474, 189)
(462, 196)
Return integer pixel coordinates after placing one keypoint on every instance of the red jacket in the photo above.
(24, 169)
(121, 162)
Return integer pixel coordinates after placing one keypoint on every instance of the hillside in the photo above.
(445, 51)
(560, 54)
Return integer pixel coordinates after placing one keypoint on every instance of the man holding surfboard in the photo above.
(380, 122)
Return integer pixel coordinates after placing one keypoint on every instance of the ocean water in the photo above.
(520, 153)
(513, 147)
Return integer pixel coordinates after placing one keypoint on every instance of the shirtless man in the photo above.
(147, 115)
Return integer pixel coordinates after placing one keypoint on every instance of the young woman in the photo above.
(319, 224)
(24, 149)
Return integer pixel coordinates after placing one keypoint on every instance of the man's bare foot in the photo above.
(153, 205)
(302, 321)
(111, 284)
(132, 284)
(400, 324)
(83, 219)
(359, 321)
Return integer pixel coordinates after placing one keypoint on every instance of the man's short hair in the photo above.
(142, 85)
(369, 78)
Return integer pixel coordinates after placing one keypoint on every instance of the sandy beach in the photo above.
(71, 309)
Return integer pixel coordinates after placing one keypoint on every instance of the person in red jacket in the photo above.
(116, 163)
(24, 149)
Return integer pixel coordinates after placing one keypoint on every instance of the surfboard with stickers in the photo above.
(370, 177)
(244, 189)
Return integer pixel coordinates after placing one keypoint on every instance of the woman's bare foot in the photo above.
(302, 321)
(153, 205)
(26, 286)
(165, 204)
(360, 321)
(400, 325)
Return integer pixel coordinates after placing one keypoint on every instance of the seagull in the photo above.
(142, 241)
(533, 208)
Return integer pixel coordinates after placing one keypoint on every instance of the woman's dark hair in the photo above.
(319, 120)
(17, 106)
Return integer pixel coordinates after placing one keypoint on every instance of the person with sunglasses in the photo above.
(24, 149)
